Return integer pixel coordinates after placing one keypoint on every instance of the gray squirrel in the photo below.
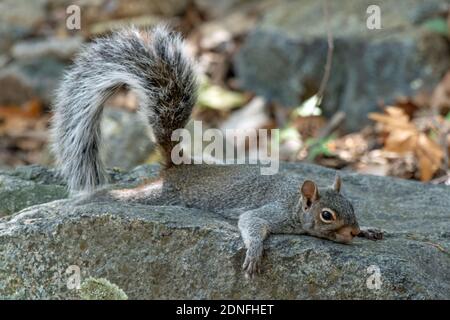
(154, 65)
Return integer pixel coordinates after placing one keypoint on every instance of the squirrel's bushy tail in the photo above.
(152, 64)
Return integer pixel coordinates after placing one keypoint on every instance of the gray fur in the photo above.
(150, 63)
(262, 204)
(153, 66)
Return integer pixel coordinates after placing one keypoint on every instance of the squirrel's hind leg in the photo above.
(150, 193)
(98, 196)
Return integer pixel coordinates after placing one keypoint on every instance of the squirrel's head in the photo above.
(327, 214)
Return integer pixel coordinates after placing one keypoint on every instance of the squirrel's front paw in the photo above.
(252, 265)
(371, 233)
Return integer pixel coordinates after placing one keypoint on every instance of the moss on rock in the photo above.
(101, 289)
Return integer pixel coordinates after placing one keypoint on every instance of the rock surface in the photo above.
(283, 58)
(127, 139)
(31, 185)
(31, 78)
(174, 252)
(19, 19)
(27, 186)
(63, 49)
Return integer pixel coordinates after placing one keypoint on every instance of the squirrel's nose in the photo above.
(346, 234)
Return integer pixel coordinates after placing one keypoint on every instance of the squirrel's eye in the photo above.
(327, 216)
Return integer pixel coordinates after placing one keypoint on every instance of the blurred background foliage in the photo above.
(384, 110)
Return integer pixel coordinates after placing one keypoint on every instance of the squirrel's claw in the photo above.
(252, 266)
(371, 233)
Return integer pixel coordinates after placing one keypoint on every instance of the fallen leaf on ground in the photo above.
(402, 136)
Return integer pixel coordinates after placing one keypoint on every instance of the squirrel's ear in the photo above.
(310, 192)
(337, 183)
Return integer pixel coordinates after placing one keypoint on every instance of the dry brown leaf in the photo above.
(394, 119)
(404, 137)
(401, 140)
(350, 147)
(430, 156)
(309, 126)
(425, 166)
(410, 105)
(31, 109)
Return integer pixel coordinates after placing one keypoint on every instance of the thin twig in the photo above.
(327, 72)
(339, 117)
(335, 122)
(437, 246)
(445, 179)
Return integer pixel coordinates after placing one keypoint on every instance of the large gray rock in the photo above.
(284, 57)
(31, 78)
(174, 252)
(19, 19)
(27, 186)
(127, 139)
(64, 48)
(31, 185)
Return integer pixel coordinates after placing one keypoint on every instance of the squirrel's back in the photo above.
(153, 65)
(222, 187)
